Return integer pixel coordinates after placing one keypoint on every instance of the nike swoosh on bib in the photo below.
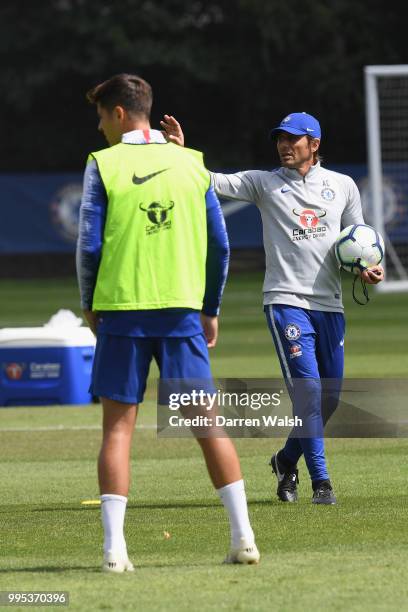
(139, 180)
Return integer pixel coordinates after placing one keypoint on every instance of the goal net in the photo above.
(386, 201)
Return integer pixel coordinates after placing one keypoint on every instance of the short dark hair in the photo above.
(130, 91)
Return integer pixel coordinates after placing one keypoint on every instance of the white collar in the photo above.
(144, 137)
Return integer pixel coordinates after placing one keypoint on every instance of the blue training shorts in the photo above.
(121, 364)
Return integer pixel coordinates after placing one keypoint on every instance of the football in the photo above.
(359, 247)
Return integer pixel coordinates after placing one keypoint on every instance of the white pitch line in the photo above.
(64, 428)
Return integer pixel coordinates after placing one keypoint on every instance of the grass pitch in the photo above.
(353, 556)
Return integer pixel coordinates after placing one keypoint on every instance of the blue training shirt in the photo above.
(169, 322)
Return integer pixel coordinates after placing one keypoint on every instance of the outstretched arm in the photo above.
(238, 186)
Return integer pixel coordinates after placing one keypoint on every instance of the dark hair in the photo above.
(127, 90)
(316, 155)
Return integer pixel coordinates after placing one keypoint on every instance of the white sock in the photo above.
(113, 518)
(234, 499)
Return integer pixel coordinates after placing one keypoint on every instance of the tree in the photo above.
(229, 69)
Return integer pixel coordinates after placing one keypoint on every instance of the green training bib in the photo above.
(155, 238)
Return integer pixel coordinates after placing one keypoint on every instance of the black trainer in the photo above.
(323, 493)
(287, 480)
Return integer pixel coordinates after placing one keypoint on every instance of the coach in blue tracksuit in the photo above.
(303, 208)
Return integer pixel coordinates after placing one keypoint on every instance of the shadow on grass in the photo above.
(344, 503)
(142, 506)
(51, 569)
(93, 569)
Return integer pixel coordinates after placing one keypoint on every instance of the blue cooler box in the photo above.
(45, 365)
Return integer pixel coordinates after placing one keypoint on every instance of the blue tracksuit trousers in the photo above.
(310, 347)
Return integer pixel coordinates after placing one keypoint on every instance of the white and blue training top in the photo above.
(302, 218)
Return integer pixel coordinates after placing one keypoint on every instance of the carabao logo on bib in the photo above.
(157, 214)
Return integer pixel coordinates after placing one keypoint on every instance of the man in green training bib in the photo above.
(152, 261)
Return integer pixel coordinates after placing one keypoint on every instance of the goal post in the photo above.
(386, 94)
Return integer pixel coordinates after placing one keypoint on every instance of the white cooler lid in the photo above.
(31, 337)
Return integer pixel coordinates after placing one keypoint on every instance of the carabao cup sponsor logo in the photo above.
(295, 351)
(44, 370)
(65, 211)
(312, 227)
(157, 214)
(308, 217)
(14, 371)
